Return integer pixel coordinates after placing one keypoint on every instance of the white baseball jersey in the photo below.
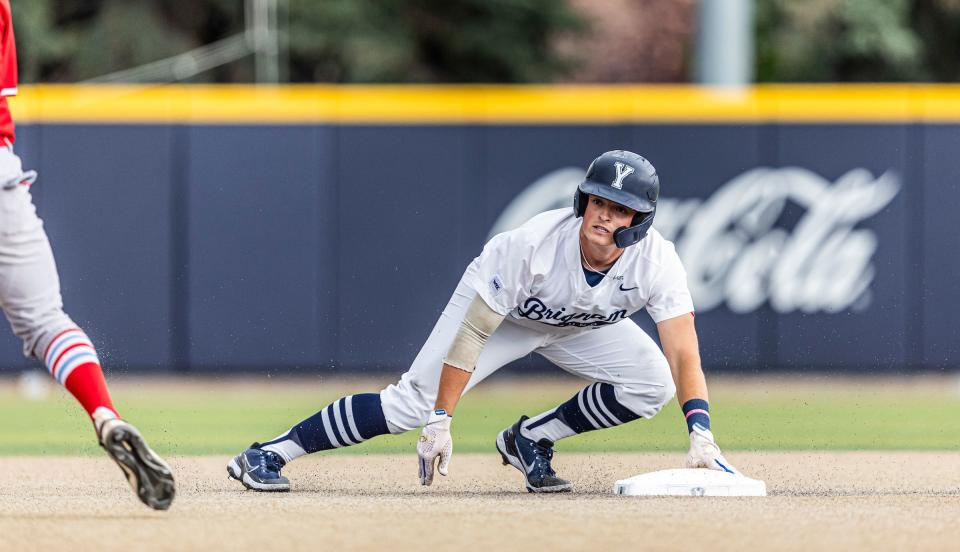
(534, 274)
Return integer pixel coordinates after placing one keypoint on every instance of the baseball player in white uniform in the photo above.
(563, 285)
(30, 297)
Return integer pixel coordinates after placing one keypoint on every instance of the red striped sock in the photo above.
(73, 362)
(88, 385)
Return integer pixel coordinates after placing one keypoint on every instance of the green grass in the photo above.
(204, 418)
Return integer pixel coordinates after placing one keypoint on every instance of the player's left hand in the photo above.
(704, 452)
(435, 441)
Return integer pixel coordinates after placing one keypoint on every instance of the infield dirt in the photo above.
(819, 501)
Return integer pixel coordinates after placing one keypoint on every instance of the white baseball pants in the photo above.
(29, 284)
(620, 354)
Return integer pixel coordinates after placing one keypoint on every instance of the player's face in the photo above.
(602, 218)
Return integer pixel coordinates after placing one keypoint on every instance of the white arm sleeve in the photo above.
(476, 328)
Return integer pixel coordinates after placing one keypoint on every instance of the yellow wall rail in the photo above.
(349, 104)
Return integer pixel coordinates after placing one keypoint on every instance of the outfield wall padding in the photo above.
(333, 247)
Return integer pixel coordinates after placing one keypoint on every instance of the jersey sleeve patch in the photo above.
(496, 285)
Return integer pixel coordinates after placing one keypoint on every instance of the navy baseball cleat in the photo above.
(259, 470)
(148, 475)
(532, 459)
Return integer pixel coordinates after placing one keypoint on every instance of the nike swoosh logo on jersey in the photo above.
(627, 289)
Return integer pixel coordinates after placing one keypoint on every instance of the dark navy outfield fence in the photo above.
(334, 248)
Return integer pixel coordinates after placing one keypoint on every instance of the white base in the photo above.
(690, 482)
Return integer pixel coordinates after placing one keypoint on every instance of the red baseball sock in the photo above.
(87, 384)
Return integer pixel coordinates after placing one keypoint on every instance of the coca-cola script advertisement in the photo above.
(737, 250)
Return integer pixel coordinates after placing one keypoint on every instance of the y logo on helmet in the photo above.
(623, 171)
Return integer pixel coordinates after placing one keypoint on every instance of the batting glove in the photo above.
(704, 452)
(435, 441)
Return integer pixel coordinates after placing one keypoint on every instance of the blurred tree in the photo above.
(330, 41)
(428, 40)
(509, 41)
(938, 26)
(839, 40)
(40, 45)
(123, 35)
(69, 40)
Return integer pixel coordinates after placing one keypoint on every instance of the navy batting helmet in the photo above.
(625, 178)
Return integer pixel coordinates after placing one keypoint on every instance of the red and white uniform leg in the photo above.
(29, 283)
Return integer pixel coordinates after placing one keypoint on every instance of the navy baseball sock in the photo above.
(347, 421)
(594, 407)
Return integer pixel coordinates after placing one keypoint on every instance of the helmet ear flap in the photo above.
(624, 237)
(579, 203)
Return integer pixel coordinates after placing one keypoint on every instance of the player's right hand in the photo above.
(705, 453)
(435, 441)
